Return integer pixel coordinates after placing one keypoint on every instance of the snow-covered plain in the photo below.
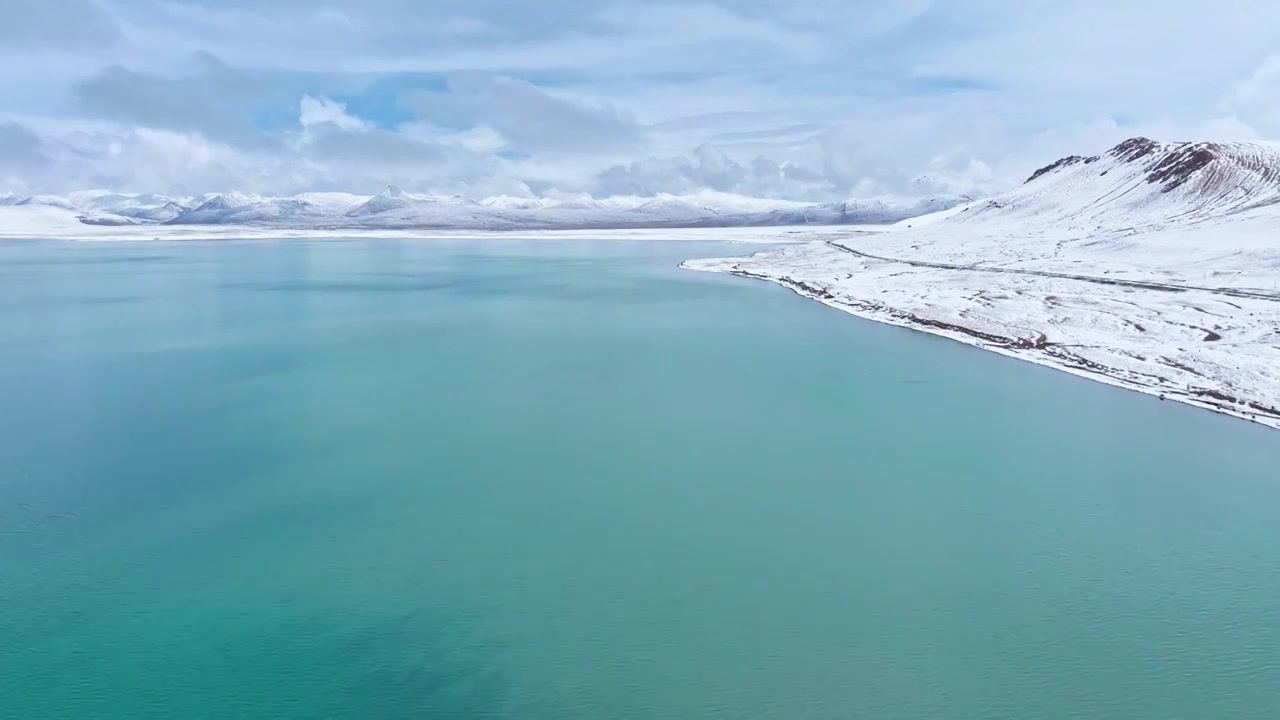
(1154, 267)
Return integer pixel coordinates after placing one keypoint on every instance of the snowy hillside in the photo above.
(396, 209)
(1141, 208)
(1155, 266)
(1142, 184)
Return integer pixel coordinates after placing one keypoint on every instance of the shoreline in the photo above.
(1037, 350)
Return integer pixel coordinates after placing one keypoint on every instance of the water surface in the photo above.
(566, 480)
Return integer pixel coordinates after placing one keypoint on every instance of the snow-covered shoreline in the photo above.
(1120, 335)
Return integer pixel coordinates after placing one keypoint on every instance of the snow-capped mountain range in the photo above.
(394, 208)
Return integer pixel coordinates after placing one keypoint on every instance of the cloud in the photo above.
(142, 159)
(198, 101)
(369, 147)
(1261, 84)
(343, 143)
(710, 168)
(708, 22)
(317, 112)
(820, 100)
(1254, 101)
(20, 148)
(397, 36)
(75, 25)
(532, 119)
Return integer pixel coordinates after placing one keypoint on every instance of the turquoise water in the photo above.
(567, 480)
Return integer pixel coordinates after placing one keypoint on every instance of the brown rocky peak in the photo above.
(1182, 161)
(1064, 162)
(1168, 165)
(1134, 149)
(1056, 165)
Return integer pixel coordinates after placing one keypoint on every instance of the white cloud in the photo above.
(1261, 84)
(822, 99)
(1255, 100)
(320, 111)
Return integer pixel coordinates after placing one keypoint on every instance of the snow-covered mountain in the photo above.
(508, 202)
(47, 201)
(228, 201)
(103, 200)
(335, 202)
(273, 211)
(394, 208)
(1142, 205)
(164, 213)
(1141, 183)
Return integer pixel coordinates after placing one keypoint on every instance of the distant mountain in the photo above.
(393, 208)
(396, 201)
(337, 202)
(393, 198)
(100, 207)
(507, 202)
(228, 201)
(164, 213)
(47, 201)
(103, 200)
(243, 210)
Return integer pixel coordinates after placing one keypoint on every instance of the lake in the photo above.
(565, 479)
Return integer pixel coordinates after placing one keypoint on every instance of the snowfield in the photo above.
(1154, 267)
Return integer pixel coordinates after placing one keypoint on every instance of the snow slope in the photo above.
(335, 202)
(1144, 184)
(1155, 266)
(47, 201)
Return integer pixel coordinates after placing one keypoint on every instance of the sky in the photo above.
(797, 99)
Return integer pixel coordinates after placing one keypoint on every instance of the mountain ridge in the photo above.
(394, 208)
(1142, 183)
